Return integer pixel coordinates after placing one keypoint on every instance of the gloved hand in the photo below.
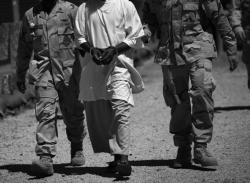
(162, 55)
(108, 55)
(240, 33)
(147, 34)
(145, 39)
(233, 63)
(82, 53)
(96, 54)
(21, 86)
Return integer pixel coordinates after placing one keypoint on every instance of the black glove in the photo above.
(21, 86)
(96, 54)
(108, 55)
(110, 52)
(82, 53)
(85, 47)
(233, 63)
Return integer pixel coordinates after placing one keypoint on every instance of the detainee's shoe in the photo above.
(77, 158)
(120, 165)
(183, 158)
(203, 157)
(124, 168)
(43, 166)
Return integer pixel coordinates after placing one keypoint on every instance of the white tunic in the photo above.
(105, 24)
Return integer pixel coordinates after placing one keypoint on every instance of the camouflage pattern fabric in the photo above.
(50, 38)
(4, 42)
(54, 69)
(186, 51)
(181, 25)
(240, 17)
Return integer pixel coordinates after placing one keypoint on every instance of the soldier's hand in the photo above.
(147, 34)
(233, 63)
(240, 33)
(96, 55)
(145, 39)
(21, 86)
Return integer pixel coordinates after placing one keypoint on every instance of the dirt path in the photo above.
(152, 147)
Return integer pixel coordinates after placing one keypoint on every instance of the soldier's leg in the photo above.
(72, 111)
(248, 74)
(203, 85)
(246, 60)
(180, 123)
(46, 134)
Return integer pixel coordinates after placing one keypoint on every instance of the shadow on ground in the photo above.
(168, 163)
(231, 108)
(66, 169)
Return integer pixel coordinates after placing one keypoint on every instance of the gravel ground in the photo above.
(152, 147)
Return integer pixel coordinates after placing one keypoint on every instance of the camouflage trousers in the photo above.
(46, 109)
(188, 123)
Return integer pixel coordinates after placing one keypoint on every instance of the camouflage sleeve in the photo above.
(24, 51)
(214, 11)
(149, 18)
(235, 14)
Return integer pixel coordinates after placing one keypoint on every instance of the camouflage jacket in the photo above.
(46, 42)
(240, 14)
(183, 25)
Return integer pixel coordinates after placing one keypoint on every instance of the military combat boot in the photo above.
(43, 166)
(183, 159)
(77, 156)
(203, 157)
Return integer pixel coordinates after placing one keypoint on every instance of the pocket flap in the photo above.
(190, 6)
(68, 63)
(38, 26)
(65, 30)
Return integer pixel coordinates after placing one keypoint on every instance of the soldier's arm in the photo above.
(24, 51)
(149, 18)
(214, 12)
(235, 20)
(235, 14)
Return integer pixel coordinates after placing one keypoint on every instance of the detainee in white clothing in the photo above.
(107, 32)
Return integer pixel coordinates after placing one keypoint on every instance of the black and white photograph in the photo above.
(126, 91)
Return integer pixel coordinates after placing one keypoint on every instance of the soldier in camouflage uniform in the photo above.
(186, 51)
(240, 21)
(48, 32)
